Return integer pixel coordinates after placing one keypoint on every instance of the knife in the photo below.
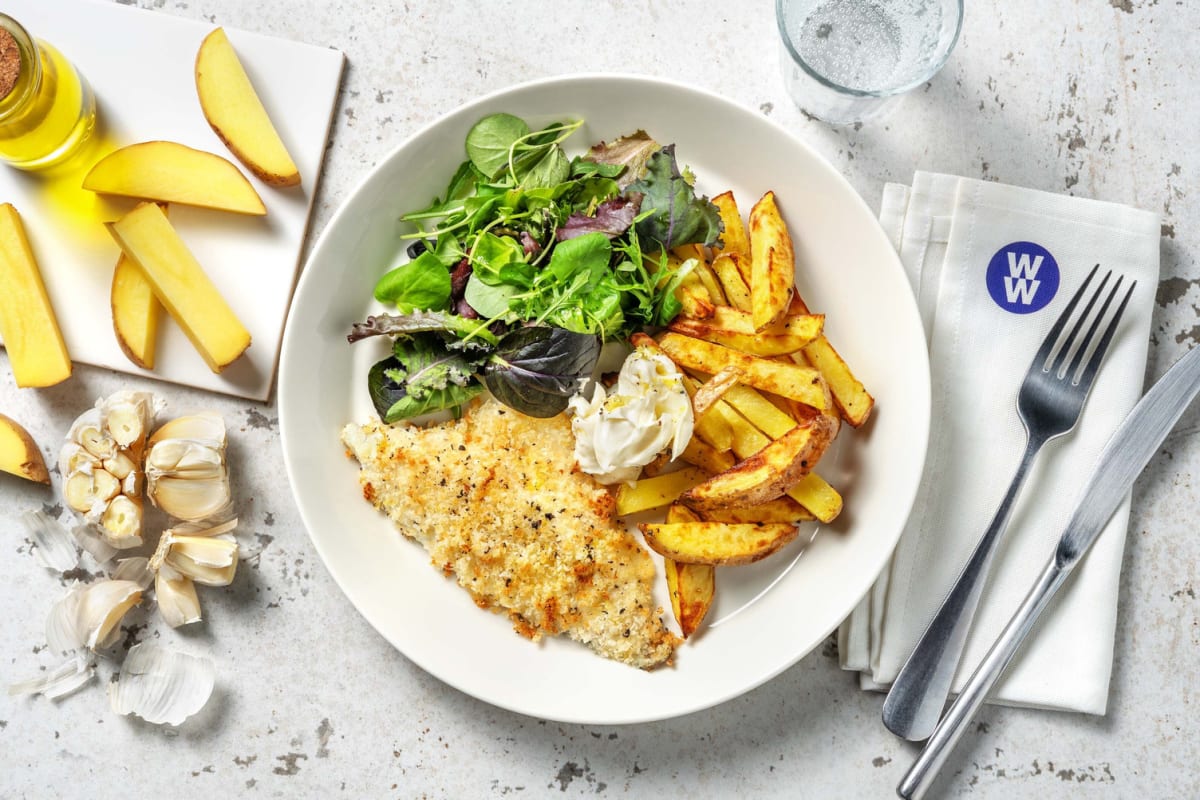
(1122, 460)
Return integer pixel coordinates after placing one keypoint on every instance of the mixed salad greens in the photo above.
(530, 262)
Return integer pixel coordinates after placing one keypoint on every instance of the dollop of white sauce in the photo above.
(619, 432)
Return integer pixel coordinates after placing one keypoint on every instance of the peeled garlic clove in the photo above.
(190, 498)
(177, 599)
(74, 458)
(88, 431)
(211, 561)
(89, 493)
(121, 522)
(119, 466)
(162, 685)
(126, 416)
(88, 615)
(132, 484)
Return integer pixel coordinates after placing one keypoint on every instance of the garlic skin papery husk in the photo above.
(88, 615)
(186, 473)
(54, 547)
(101, 465)
(160, 685)
(67, 677)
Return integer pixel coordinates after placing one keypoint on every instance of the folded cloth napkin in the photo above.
(992, 266)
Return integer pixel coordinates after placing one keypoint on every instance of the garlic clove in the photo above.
(204, 529)
(184, 455)
(206, 427)
(121, 522)
(88, 615)
(190, 498)
(132, 484)
(161, 685)
(207, 560)
(89, 493)
(119, 466)
(74, 458)
(177, 600)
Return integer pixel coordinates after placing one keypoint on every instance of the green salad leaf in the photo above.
(678, 217)
(422, 284)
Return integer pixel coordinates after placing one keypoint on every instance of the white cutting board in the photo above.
(140, 66)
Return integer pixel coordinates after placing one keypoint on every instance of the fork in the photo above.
(1049, 403)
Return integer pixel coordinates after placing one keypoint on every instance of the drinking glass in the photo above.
(846, 61)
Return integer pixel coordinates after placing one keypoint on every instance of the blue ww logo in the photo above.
(1022, 277)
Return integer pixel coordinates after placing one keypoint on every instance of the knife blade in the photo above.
(1123, 458)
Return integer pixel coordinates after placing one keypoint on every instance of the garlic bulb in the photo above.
(100, 465)
(186, 473)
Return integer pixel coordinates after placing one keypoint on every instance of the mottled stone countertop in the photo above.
(1091, 97)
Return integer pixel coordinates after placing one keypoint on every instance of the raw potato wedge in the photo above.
(136, 312)
(772, 263)
(169, 172)
(236, 113)
(717, 543)
(788, 380)
(181, 285)
(32, 338)
(768, 473)
(690, 586)
(19, 454)
(658, 491)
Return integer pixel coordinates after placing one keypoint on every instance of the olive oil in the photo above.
(49, 109)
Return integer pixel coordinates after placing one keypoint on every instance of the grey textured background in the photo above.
(1091, 97)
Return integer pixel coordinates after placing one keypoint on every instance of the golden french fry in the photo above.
(709, 279)
(712, 389)
(852, 399)
(789, 380)
(781, 509)
(759, 344)
(767, 474)
(658, 491)
(690, 586)
(761, 412)
(657, 466)
(817, 496)
(733, 238)
(800, 324)
(701, 454)
(772, 263)
(726, 268)
(717, 543)
(713, 429)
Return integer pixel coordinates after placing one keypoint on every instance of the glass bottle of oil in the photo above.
(47, 109)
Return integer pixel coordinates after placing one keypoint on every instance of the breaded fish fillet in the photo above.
(496, 501)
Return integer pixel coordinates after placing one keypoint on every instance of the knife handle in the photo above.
(921, 774)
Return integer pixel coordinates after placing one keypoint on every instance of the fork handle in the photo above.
(920, 776)
(920, 689)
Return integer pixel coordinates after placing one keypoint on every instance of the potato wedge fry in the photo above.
(658, 491)
(759, 344)
(781, 509)
(802, 325)
(695, 300)
(853, 400)
(733, 238)
(717, 543)
(709, 279)
(701, 454)
(767, 474)
(656, 466)
(761, 412)
(790, 380)
(817, 496)
(690, 586)
(713, 429)
(772, 263)
(726, 268)
(714, 388)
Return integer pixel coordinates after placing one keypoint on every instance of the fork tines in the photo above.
(1070, 346)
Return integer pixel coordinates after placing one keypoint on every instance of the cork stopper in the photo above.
(10, 63)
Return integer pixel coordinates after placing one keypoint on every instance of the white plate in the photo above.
(767, 616)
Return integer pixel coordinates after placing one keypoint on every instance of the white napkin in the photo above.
(948, 230)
